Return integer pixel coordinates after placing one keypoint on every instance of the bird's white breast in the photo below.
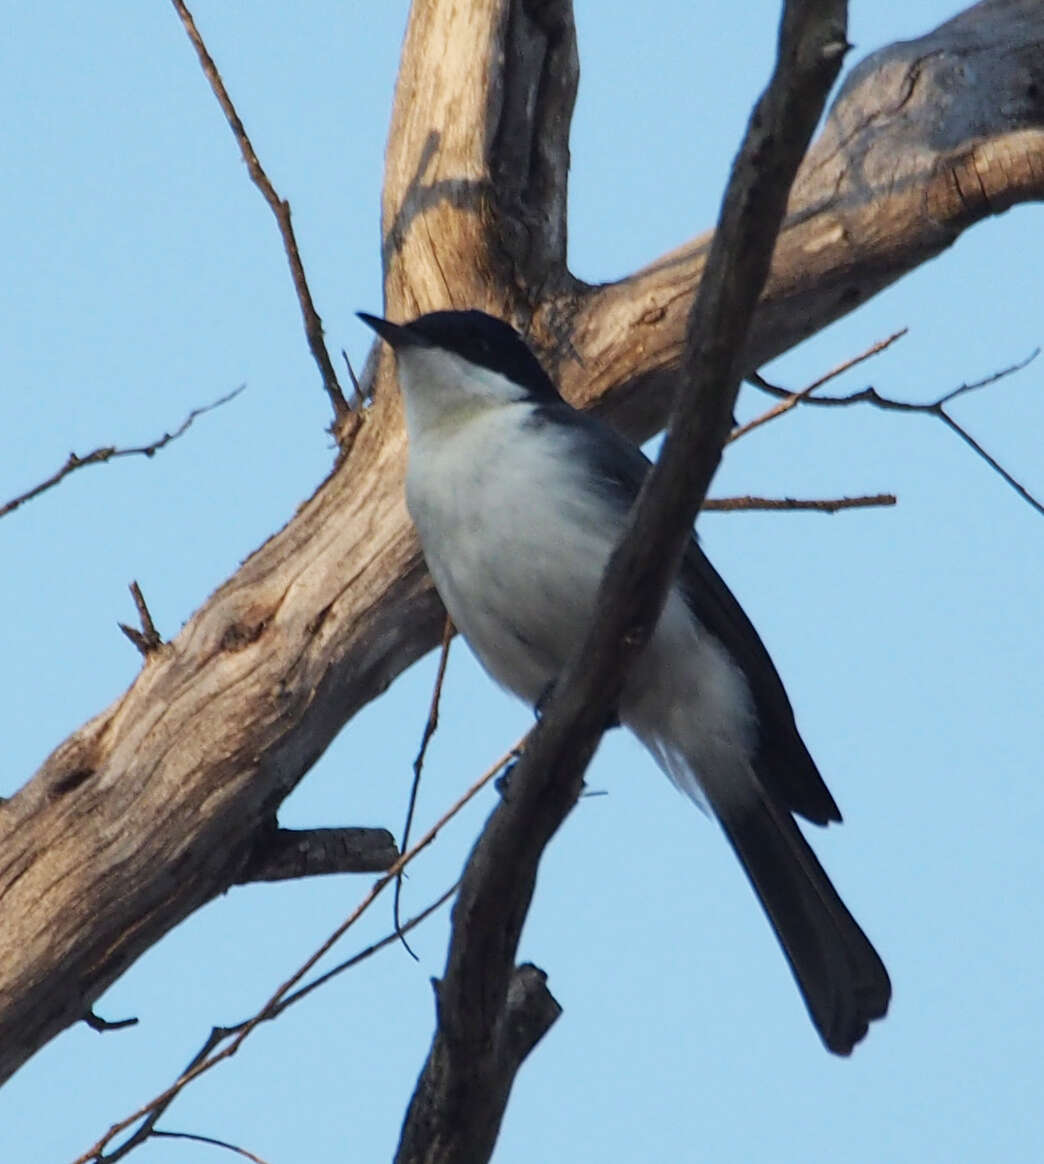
(516, 545)
(517, 536)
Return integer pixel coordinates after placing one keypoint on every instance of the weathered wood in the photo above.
(157, 804)
(925, 138)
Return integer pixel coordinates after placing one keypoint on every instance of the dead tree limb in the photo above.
(291, 853)
(154, 806)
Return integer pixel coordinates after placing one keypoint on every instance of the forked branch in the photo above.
(936, 408)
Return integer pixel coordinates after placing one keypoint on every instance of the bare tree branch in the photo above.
(205, 1061)
(152, 1112)
(313, 324)
(353, 961)
(97, 1023)
(292, 853)
(795, 398)
(430, 727)
(936, 408)
(158, 1134)
(925, 138)
(334, 606)
(458, 1104)
(784, 504)
(148, 639)
(110, 453)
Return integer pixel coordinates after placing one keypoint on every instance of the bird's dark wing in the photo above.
(782, 761)
(783, 764)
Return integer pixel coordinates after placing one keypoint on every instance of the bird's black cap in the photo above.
(475, 336)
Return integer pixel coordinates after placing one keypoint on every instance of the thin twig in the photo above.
(161, 1134)
(815, 504)
(418, 765)
(313, 325)
(148, 640)
(97, 1023)
(358, 399)
(110, 452)
(935, 408)
(219, 1034)
(355, 959)
(791, 399)
(972, 443)
(152, 1110)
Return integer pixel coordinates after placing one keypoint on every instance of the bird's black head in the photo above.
(476, 337)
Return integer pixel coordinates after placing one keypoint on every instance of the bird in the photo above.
(518, 500)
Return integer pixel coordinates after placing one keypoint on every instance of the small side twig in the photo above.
(430, 727)
(936, 408)
(313, 324)
(110, 453)
(358, 396)
(148, 640)
(287, 854)
(815, 504)
(792, 399)
(161, 1134)
(97, 1023)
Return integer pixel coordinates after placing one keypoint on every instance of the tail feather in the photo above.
(840, 975)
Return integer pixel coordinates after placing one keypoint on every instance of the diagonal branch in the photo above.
(313, 325)
(105, 453)
(793, 399)
(936, 408)
(204, 1058)
(430, 727)
(925, 138)
(459, 1101)
(209, 1057)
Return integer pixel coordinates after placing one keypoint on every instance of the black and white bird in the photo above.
(519, 499)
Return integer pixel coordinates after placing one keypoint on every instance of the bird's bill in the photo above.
(395, 334)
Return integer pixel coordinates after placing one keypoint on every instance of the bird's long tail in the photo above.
(841, 977)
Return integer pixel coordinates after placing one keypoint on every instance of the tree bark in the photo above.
(163, 800)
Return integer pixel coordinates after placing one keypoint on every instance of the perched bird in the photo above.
(519, 499)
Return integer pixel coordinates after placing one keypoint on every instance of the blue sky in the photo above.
(143, 277)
